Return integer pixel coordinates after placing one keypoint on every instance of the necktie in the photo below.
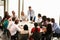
(30, 13)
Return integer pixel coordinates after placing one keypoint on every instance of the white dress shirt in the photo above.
(10, 24)
(13, 29)
(31, 14)
(39, 20)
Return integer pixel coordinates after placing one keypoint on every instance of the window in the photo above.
(1, 8)
(13, 5)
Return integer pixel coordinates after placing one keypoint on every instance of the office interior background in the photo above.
(50, 8)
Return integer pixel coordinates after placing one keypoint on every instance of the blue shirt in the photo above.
(56, 28)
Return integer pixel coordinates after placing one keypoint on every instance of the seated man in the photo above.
(55, 28)
(13, 30)
(48, 21)
(39, 18)
(44, 23)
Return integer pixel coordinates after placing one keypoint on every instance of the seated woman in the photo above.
(48, 32)
(23, 17)
(35, 32)
(24, 33)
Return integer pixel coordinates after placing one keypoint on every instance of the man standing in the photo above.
(30, 14)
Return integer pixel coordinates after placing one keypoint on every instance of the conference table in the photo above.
(30, 26)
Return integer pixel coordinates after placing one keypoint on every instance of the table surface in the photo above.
(30, 26)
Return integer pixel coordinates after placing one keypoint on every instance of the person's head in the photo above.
(52, 20)
(13, 19)
(48, 19)
(16, 21)
(22, 14)
(39, 15)
(9, 18)
(13, 12)
(25, 27)
(6, 14)
(49, 27)
(44, 18)
(30, 8)
(35, 24)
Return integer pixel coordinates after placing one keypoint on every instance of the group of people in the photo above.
(48, 26)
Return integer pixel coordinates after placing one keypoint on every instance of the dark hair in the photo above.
(44, 18)
(6, 14)
(13, 19)
(25, 27)
(8, 17)
(49, 28)
(49, 25)
(39, 15)
(35, 24)
(48, 19)
(16, 21)
(29, 6)
(53, 20)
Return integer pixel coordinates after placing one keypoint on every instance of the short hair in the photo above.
(13, 12)
(13, 18)
(6, 14)
(16, 21)
(48, 19)
(29, 6)
(44, 18)
(49, 28)
(39, 15)
(53, 20)
(25, 27)
(49, 25)
(8, 17)
(35, 24)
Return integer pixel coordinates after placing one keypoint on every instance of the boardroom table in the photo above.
(30, 26)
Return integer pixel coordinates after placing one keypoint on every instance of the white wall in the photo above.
(50, 8)
(1, 8)
(13, 5)
(2, 11)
